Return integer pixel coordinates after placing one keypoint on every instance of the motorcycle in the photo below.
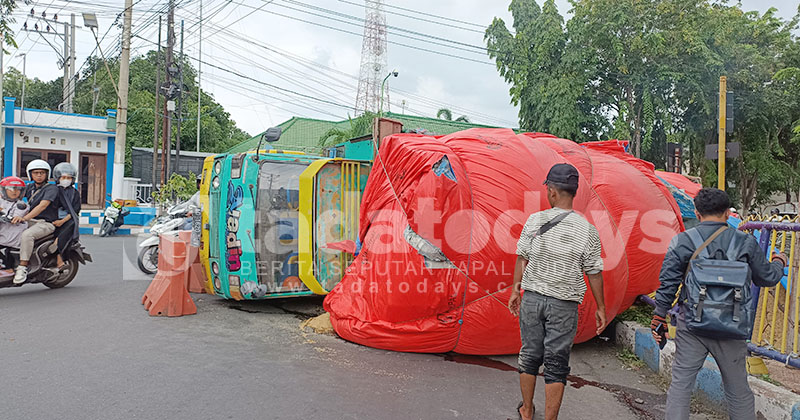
(42, 265)
(178, 217)
(114, 217)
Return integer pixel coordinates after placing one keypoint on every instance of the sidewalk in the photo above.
(772, 402)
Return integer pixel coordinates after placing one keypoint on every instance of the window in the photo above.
(276, 225)
(52, 157)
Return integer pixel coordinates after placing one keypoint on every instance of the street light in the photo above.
(392, 73)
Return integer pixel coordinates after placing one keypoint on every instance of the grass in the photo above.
(767, 378)
(640, 313)
(629, 359)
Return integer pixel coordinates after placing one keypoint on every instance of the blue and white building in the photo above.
(86, 141)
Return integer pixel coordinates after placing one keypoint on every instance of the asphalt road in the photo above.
(90, 351)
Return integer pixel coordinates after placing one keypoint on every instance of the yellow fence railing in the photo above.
(776, 325)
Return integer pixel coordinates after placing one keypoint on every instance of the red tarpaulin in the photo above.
(688, 186)
(439, 223)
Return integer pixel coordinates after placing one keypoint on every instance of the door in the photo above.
(93, 180)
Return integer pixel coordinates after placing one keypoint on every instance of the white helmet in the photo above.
(37, 164)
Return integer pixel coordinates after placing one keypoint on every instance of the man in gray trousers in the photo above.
(712, 208)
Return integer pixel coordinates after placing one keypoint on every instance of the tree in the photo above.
(548, 78)
(6, 7)
(648, 71)
(218, 132)
(446, 114)
(358, 127)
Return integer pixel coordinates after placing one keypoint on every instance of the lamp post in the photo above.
(383, 84)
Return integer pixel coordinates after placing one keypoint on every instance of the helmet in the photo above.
(38, 164)
(65, 168)
(116, 204)
(11, 183)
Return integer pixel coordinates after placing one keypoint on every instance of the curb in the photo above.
(772, 402)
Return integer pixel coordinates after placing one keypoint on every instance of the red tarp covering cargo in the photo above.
(440, 219)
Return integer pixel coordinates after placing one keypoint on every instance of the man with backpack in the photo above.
(716, 266)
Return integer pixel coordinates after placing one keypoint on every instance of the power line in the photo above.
(390, 42)
(418, 18)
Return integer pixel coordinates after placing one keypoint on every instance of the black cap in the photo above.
(563, 174)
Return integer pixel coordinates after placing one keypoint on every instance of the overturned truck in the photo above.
(416, 249)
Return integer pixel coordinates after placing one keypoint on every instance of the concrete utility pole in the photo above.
(24, 82)
(166, 128)
(156, 145)
(72, 81)
(122, 103)
(66, 57)
(723, 95)
(180, 107)
(2, 54)
(199, 73)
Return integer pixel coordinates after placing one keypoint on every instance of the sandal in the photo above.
(519, 414)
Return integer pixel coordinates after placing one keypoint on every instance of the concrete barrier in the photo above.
(772, 402)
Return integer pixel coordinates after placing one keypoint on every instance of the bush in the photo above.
(178, 188)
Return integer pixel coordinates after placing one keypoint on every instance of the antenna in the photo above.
(373, 59)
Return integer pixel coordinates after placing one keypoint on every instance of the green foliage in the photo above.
(6, 7)
(648, 71)
(359, 127)
(446, 114)
(178, 188)
(639, 313)
(629, 359)
(218, 132)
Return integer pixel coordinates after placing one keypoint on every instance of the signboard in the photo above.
(732, 150)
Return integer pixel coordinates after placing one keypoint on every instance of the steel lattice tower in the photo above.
(373, 59)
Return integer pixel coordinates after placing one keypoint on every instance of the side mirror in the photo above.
(272, 134)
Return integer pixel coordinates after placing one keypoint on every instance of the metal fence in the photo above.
(143, 193)
(776, 328)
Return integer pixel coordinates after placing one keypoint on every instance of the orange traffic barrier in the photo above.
(195, 274)
(167, 293)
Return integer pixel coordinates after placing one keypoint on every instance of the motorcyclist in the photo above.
(11, 189)
(69, 206)
(42, 199)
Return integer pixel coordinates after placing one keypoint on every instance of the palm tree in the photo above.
(359, 126)
(446, 114)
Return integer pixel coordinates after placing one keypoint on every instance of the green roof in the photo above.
(302, 134)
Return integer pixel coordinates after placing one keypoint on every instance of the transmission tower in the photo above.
(373, 59)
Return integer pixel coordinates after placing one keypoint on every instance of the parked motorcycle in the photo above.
(114, 217)
(178, 217)
(42, 265)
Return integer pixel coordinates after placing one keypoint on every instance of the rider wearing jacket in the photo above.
(11, 189)
(42, 199)
(69, 206)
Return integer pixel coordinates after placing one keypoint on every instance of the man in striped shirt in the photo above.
(556, 247)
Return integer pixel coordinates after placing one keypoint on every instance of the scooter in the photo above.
(114, 217)
(177, 218)
(42, 265)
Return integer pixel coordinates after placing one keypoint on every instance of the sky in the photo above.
(266, 61)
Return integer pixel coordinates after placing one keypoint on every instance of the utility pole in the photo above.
(180, 107)
(122, 103)
(166, 127)
(156, 145)
(199, 74)
(723, 95)
(24, 82)
(66, 57)
(72, 81)
(65, 78)
(2, 54)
